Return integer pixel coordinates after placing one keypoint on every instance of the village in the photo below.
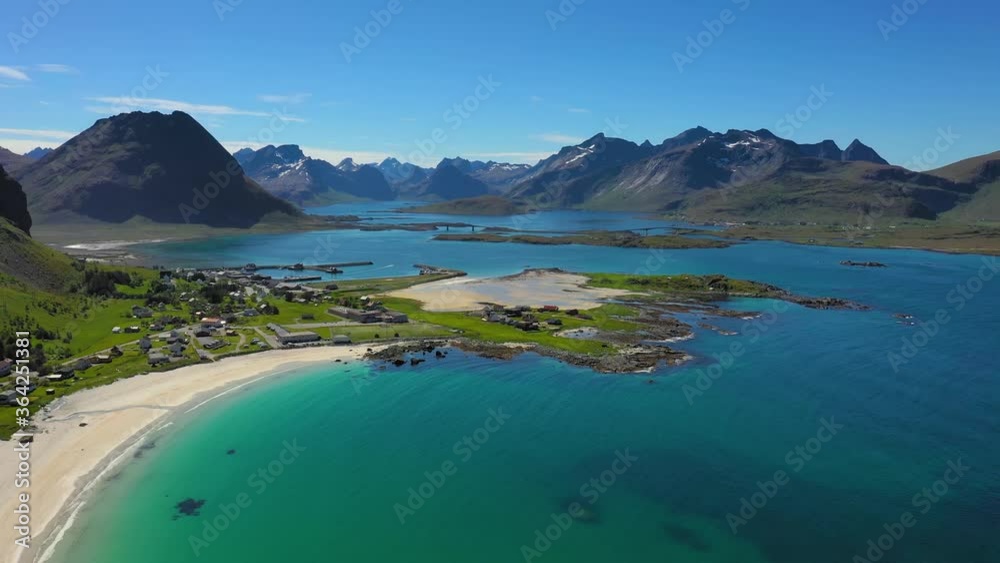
(199, 315)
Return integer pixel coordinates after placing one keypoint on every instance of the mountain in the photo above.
(501, 176)
(289, 174)
(22, 258)
(13, 202)
(403, 176)
(449, 182)
(243, 155)
(348, 165)
(984, 173)
(859, 152)
(152, 166)
(736, 175)
(11, 161)
(37, 153)
(578, 173)
(412, 182)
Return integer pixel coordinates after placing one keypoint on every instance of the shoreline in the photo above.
(68, 461)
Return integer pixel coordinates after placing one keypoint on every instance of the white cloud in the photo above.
(13, 74)
(23, 140)
(284, 98)
(536, 99)
(56, 68)
(50, 134)
(21, 146)
(579, 110)
(120, 104)
(558, 138)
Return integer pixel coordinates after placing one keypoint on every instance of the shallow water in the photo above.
(705, 434)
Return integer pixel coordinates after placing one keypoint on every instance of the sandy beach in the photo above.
(534, 288)
(67, 458)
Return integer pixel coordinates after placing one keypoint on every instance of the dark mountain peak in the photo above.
(37, 153)
(348, 165)
(150, 165)
(450, 182)
(598, 138)
(457, 162)
(244, 155)
(827, 150)
(397, 172)
(290, 153)
(685, 138)
(464, 165)
(13, 202)
(858, 151)
(646, 144)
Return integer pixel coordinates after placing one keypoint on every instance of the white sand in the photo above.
(534, 288)
(65, 458)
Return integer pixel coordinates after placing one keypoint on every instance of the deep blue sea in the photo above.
(827, 431)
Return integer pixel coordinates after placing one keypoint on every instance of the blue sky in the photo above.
(257, 72)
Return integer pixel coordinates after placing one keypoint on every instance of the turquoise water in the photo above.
(702, 443)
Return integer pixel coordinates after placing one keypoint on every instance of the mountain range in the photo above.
(737, 175)
(152, 166)
(287, 173)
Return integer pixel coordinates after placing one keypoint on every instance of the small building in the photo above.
(142, 312)
(177, 349)
(6, 367)
(202, 332)
(286, 337)
(116, 330)
(156, 358)
(101, 359)
(9, 398)
(395, 317)
(210, 343)
(554, 322)
(550, 308)
(145, 345)
(341, 339)
(212, 322)
(250, 313)
(62, 374)
(132, 330)
(83, 364)
(356, 315)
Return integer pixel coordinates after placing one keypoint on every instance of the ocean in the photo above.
(807, 436)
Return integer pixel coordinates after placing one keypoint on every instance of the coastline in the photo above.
(67, 459)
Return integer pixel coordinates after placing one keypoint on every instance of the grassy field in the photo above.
(472, 326)
(130, 364)
(683, 284)
(380, 332)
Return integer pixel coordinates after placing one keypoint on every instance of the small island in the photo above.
(487, 206)
(619, 239)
